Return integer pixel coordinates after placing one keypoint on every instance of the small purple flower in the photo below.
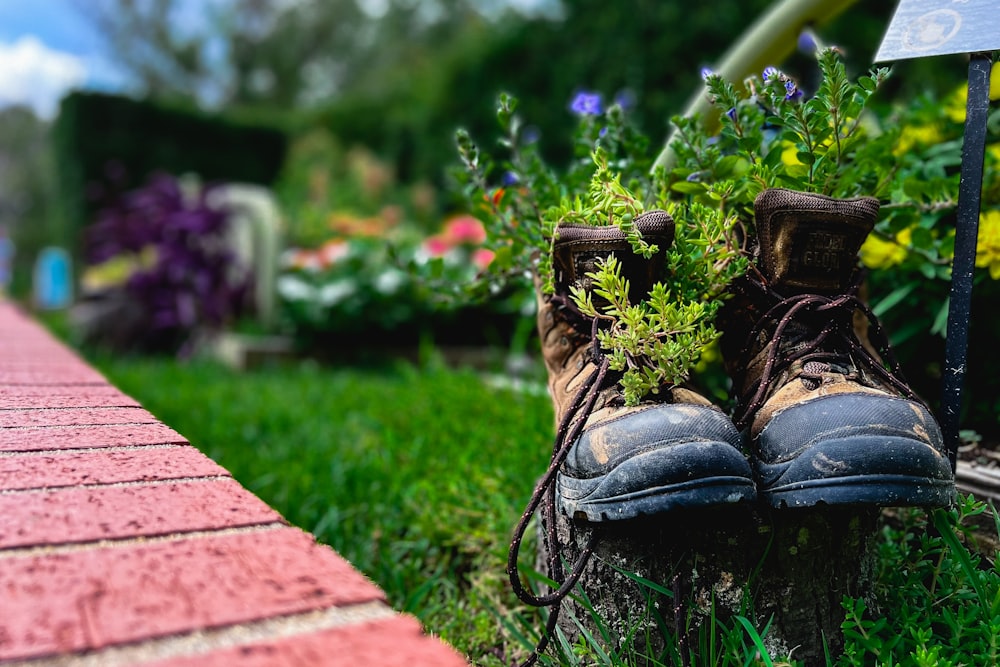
(792, 91)
(509, 178)
(586, 104)
(807, 41)
(603, 132)
(530, 135)
(732, 114)
(706, 72)
(770, 73)
(625, 98)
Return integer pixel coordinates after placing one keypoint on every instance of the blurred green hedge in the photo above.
(648, 51)
(99, 136)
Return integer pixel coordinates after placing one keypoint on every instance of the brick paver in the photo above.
(116, 512)
(95, 466)
(86, 437)
(93, 598)
(366, 644)
(63, 396)
(73, 417)
(121, 543)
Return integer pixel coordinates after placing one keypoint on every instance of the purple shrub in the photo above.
(192, 281)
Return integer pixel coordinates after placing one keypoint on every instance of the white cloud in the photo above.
(35, 75)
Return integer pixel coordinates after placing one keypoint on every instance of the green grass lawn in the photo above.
(415, 476)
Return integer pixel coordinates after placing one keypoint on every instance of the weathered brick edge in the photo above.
(122, 544)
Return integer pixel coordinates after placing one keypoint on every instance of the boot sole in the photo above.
(872, 490)
(860, 470)
(700, 493)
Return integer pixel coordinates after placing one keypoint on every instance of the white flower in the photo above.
(295, 289)
(333, 293)
(389, 281)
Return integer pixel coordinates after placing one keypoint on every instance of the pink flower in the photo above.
(465, 229)
(482, 258)
(332, 252)
(436, 246)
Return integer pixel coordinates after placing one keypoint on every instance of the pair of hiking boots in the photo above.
(822, 413)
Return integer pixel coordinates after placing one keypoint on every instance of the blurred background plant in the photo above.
(364, 255)
(911, 250)
(160, 271)
(835, 139)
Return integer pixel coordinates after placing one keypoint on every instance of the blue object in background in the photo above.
(53, 279)
(6, 262)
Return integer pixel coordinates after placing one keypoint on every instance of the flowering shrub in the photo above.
(370, 259)
(161, 256)
(773, 134)
(912, 247)
(374, 276)
(327, 189)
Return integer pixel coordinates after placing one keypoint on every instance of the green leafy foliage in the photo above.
(938, 600)
(843, 141)
(773, 135)
(658, 341)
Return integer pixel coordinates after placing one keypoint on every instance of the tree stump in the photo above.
(785, 569)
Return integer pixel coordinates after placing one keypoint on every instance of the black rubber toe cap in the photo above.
(605, 446)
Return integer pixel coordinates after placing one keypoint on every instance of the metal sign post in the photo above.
(922, 28)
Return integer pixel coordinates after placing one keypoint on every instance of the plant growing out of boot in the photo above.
(773, 135)
(623, 316)
(630, 305)
(652, 331)
(827, 413)
(626, 299)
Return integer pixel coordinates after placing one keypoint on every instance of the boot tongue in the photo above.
(579, 249)
(809, 242)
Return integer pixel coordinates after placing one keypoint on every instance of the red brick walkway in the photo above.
(121, 544)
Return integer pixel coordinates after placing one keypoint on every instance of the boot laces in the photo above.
(544, 495)
(818, 332)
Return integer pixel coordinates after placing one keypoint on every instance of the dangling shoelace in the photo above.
(544, 496)
(815, 351)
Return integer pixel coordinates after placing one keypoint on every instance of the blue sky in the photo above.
(48, 47)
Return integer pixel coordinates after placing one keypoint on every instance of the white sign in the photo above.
(922, 28)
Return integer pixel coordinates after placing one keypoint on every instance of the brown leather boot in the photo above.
(674, 449)
(828, 416)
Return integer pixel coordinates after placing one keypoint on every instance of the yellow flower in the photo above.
(879, 253)
(789, 154)
(954, 105)
(710, 355)
(988, 243)
(116, 271)
(916, 135)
